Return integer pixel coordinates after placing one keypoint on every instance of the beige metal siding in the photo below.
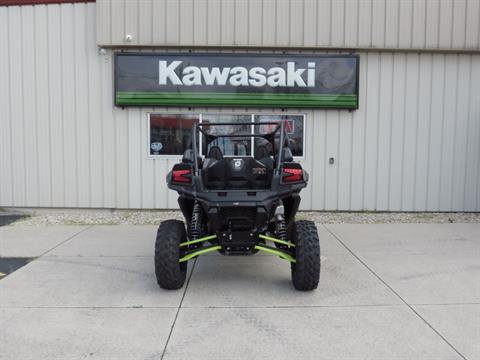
(391, 24)
(414, 143)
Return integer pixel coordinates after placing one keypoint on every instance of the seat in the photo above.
(188, 158)
(287, 155)
(215, 153)
(213, 169)
(262, 155)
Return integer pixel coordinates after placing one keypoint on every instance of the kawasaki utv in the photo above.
(238, 204)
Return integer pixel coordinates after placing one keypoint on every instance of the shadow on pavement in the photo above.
(10, 264)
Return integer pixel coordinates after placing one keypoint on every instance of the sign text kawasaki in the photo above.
(236, 76)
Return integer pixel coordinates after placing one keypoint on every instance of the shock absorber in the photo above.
(196, 224)
(280, 226)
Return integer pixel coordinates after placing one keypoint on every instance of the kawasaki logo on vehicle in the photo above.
(236, 80)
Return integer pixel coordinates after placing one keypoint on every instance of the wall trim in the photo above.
(286, 50)
(40, 2)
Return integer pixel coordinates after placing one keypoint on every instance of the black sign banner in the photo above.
(218, 79)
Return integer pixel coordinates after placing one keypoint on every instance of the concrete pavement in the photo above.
(387, 291)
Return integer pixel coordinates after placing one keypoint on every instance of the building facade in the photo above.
(413, 143)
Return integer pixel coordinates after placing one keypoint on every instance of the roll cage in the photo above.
(270, 137)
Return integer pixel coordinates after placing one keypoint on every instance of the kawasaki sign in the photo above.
(320, 81)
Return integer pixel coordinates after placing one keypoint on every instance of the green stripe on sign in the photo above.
(198, 93)
(215, 98)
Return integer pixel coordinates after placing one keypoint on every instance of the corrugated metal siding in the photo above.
(414, 144)
(406, 24)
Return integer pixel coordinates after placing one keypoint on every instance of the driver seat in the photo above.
(214, 155)
(213, 170)
(262, 155)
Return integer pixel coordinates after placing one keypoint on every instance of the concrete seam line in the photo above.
(209, 307)
(64, 241)
(178, 310)
(89, 307)
(393, 291)
(233, 307)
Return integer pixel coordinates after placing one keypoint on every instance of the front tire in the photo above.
(306, 269)
(170, 273)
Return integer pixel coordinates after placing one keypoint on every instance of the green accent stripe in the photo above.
(200, 252)
(226, 94)
(210, 237)
(278, 241)
(212, 98)
(276, 252)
